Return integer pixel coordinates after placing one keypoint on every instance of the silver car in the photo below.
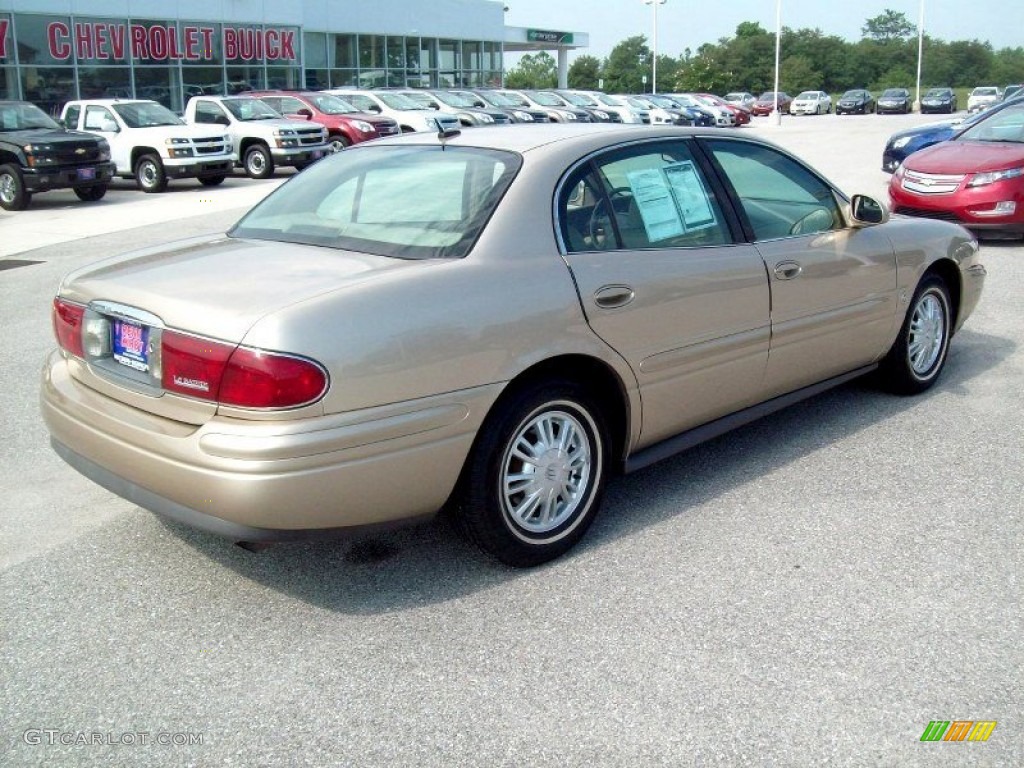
(492, 322)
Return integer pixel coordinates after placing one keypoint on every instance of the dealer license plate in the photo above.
(131, 345)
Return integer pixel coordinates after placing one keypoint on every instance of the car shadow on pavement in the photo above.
(429, 563)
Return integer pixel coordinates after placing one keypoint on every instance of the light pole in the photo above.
(920, 51)
(654, 58)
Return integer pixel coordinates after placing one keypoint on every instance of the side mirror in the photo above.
(375, 108)
(109, 126)
(867, 211)
(305, 112)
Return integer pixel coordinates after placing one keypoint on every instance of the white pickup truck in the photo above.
(151, 144)
(262, 138)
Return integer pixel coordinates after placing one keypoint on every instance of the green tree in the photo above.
(888, 26)
(584, 73)
(533, 71)
(896, 77)
(626, 66)
(751, 57)
(797, 73)
(1008, 66)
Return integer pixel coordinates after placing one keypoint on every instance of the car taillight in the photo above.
(67, 326)
(193, 366)
(238, 376)
(258, 379)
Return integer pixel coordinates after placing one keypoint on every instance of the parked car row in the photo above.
(260, 131)
(862, 101)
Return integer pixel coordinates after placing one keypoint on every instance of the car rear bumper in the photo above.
(268, 480)
(43, 180)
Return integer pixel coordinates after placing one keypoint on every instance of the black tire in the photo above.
(212, 181)
(338, 141)
(13, 195)
(928, 325)
(534, 417)
(91, 194)
(149, 174)
(258, 163)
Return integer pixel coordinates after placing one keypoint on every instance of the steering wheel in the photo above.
(599, 225)
(818, 220)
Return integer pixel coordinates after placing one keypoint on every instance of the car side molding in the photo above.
(686, 440)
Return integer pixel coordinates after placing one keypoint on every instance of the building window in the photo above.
(8, 83)
(449, 52)
(314, 45)
(245, 79)
(105, 82)
(371, 52)
(472, 55)
(343, 52)
(43, 39)
(160, 84)
(48, 87)
(289, 78)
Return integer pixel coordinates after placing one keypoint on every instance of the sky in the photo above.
(690, 23)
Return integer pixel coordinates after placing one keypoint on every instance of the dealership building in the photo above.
(55, 50)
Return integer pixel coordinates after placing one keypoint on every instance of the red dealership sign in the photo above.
(114, 40)
(4, 24)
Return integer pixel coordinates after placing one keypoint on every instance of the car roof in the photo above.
(108, 102)
(527, 138)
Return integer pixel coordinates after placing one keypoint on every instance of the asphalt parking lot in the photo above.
(811, 590)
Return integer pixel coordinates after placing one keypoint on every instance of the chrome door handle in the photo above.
(612, 296)
(787, 270)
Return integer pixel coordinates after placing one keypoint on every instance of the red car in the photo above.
(975, 179)
(742, 115)
(765, 103)
(345, 124)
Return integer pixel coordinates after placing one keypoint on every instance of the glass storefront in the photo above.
(57, 58)
(8, 74)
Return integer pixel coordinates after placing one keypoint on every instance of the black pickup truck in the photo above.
(37, 155)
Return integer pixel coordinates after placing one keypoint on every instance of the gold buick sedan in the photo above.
(492, 323)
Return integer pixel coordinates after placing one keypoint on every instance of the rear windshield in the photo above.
(408, 202)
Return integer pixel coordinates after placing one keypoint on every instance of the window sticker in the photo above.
(691, 197)
(672, 200)
(657, 206)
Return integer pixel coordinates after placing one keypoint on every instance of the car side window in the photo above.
(362, 103)
(71, 116)
(779, 195)
(98, 118)
(287, 105)
(645, 196)
(209, 113)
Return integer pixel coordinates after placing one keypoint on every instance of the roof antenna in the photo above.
(450, 133)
